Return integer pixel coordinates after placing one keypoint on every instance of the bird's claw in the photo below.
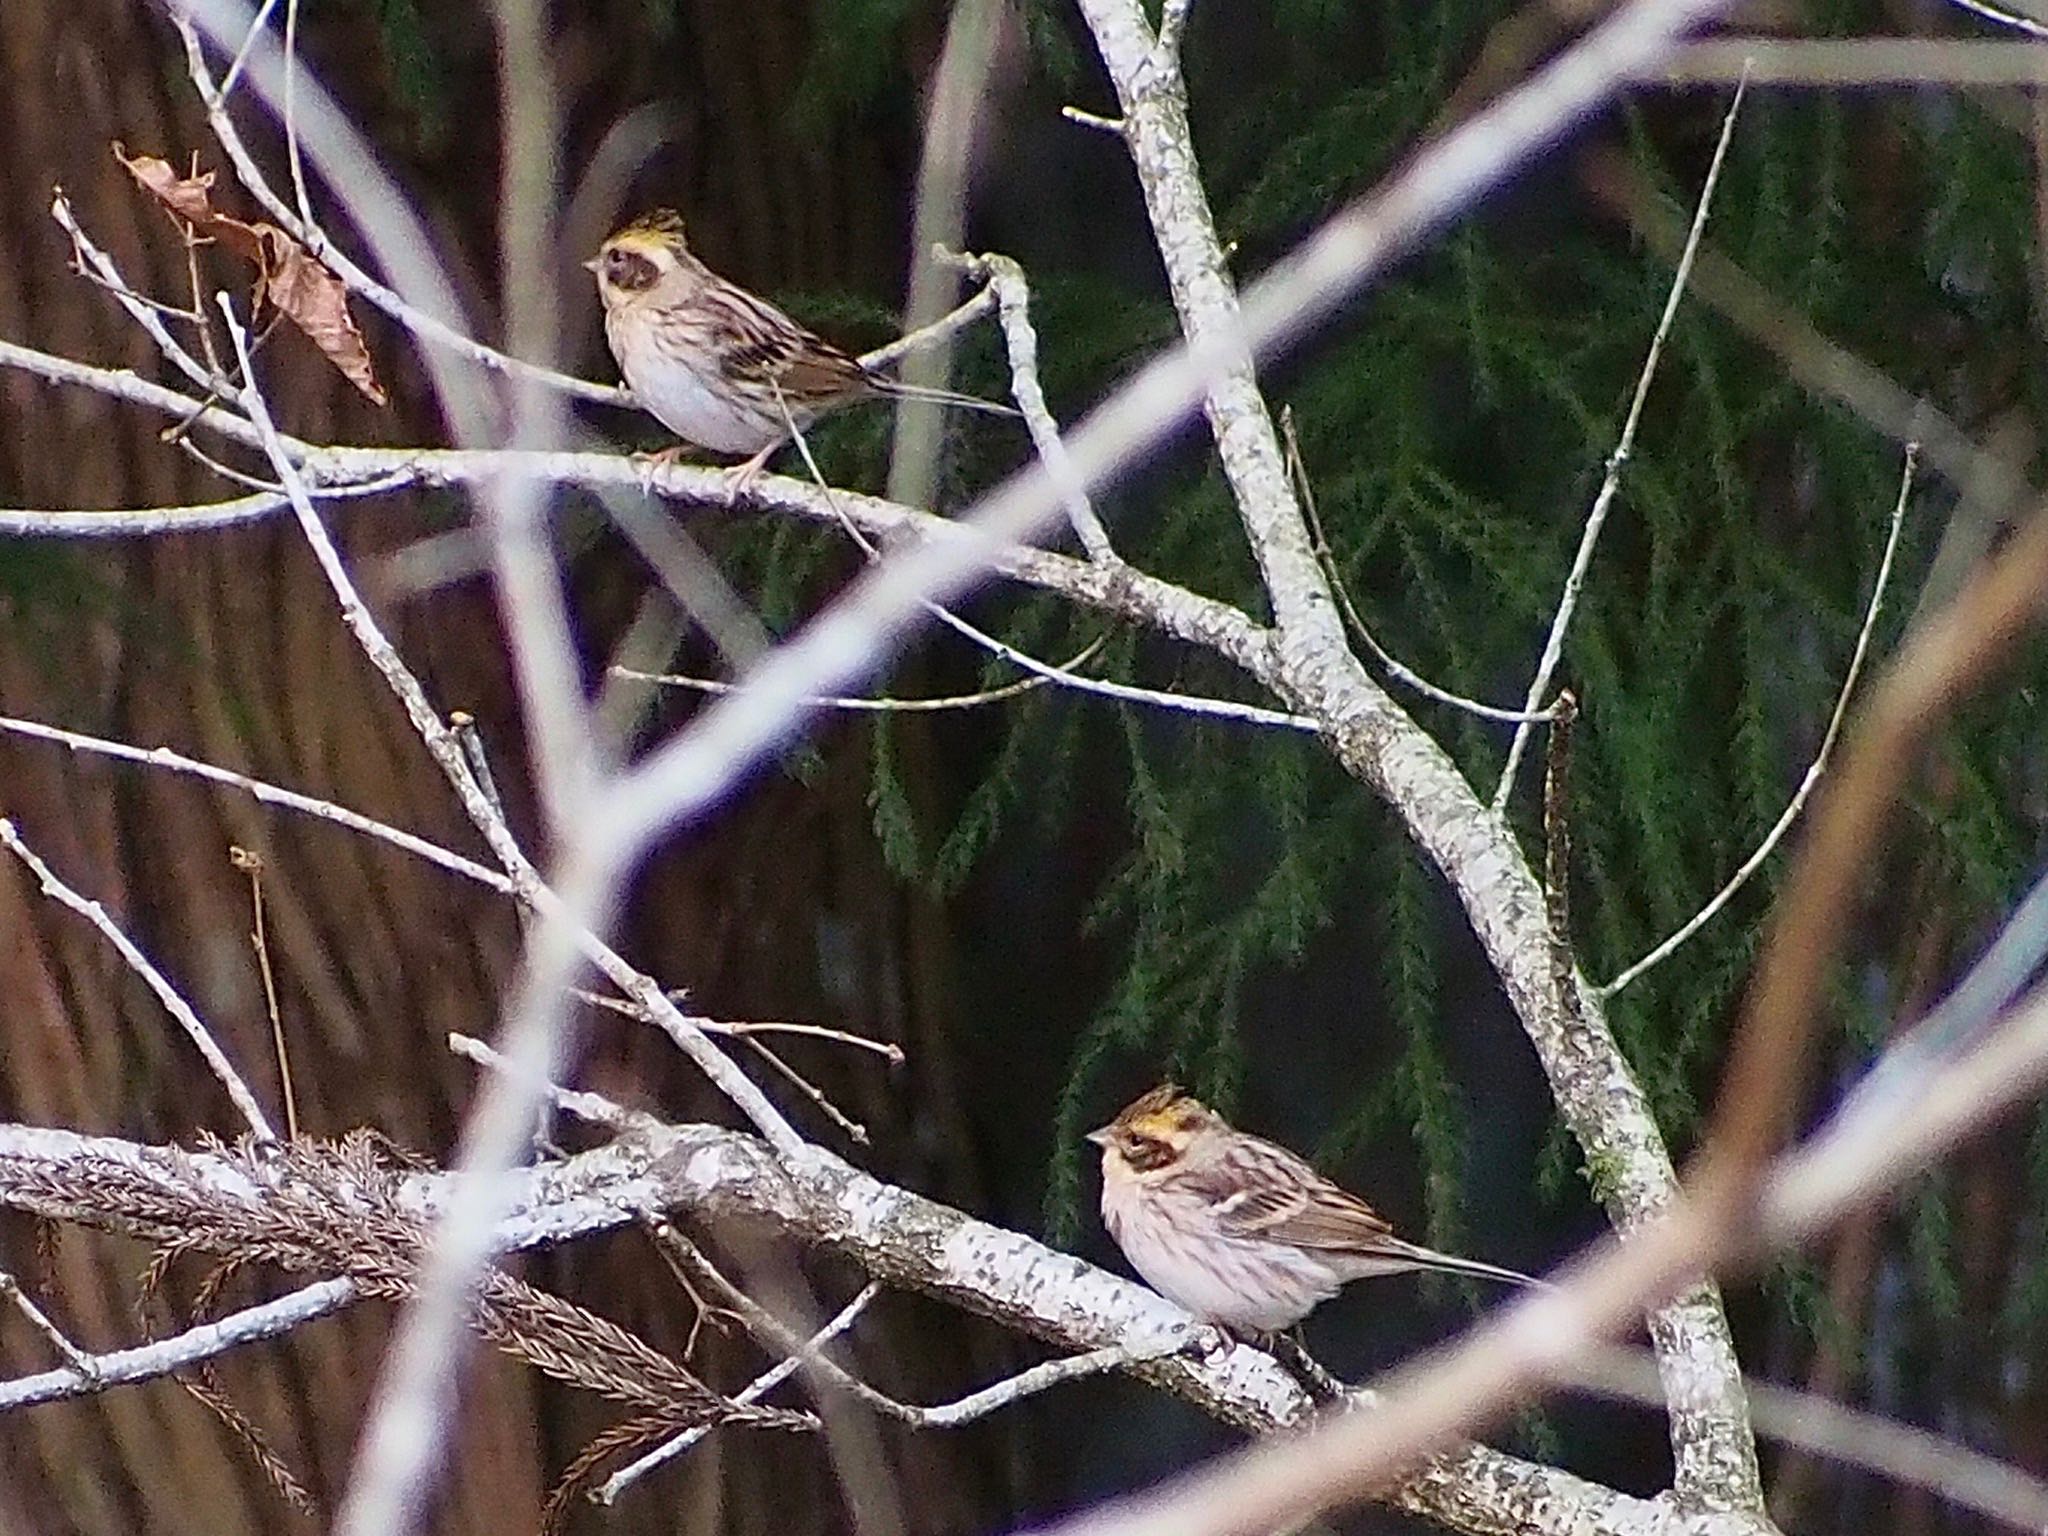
(647, 465)
(1206, 1341)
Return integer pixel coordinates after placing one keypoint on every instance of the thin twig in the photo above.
(1815, 769)
(1013, 295)
(1093, 120)
(195, 1028)
(888, 1050)
(1298, 472)
(234, 73)
(38, 1319)
(810, 1090)
(2002, 16)
(269, 794)
(608, 1491)
(1183, 703)
(775, 1334)
(880, 706)
(161, 1357)
(1567, 605)
(1892, 1450)
(96, 265)
(593, 1107)
(251, 864)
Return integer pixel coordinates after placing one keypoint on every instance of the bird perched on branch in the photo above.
(1236, 1229)
(718, 366)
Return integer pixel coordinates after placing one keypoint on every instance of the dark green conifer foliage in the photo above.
(1455, 425)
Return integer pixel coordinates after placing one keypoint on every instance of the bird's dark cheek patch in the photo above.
(1144, 1153)
(630, 272)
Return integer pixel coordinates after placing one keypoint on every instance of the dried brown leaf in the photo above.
(287, 276)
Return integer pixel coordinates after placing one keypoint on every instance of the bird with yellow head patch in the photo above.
(1237, 1229)
(718, 366)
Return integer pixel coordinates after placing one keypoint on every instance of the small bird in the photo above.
(1237, 1230)
(718, 366)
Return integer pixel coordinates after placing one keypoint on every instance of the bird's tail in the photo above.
(1403, 1255)
(897, 389)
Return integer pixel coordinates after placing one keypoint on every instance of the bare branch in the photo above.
(1815, 769)
(174, 1002)
(773, 1333)
(1834, 63)
(1610, 483)
(160, 1357)
(2003, 16)
(82, 1365)
(269, 794)
(1006, 279)
(608, 1491)
(1846, 1435)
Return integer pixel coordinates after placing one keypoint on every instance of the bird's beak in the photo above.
(1100, 1136)
(591, 265)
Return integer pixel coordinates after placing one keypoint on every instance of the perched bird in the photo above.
(718, 366)
(1237, 1230)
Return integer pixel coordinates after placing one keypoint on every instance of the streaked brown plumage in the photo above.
(1237, 1229)
(717, 365)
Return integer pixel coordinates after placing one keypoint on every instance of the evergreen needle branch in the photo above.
(174, 1002)
(1610, 483)
(1814, 770)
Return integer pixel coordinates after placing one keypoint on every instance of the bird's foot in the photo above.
(647, 465)
(741, 477)
(1206, 1341)
(1288, 1349)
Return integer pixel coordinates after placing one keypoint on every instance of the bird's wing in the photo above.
(767, 344)
(1267, 1192)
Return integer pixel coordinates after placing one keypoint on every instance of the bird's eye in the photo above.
(628, 271)
(1144, 1153)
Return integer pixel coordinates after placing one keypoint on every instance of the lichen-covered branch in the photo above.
(1315, 671)
(719, 1179)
